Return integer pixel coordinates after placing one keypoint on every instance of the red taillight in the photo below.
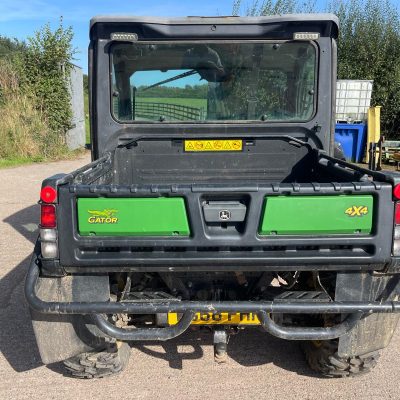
(48, 194)
(397, 214)
(48, 216)
(396, 192)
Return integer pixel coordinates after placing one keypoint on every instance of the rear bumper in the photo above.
(355, 310)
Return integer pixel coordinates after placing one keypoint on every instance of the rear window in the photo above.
(197, 82)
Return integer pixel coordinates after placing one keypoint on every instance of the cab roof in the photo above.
(152, 27)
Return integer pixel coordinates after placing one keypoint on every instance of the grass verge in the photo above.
(15, 162)
(18, 161)
(195, 103)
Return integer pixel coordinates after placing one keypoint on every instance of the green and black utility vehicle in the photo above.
(214, 198)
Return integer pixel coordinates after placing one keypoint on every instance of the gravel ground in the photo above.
(259, 366)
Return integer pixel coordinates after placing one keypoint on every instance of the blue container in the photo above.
(353, 139)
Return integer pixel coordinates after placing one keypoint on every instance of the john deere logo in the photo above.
(224, 215)
(357, 211)
(106, 216)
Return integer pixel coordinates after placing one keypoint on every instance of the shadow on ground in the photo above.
(17, 340)
(251, 347)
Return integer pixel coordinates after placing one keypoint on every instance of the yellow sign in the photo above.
(357, 211)
(214, 145)
(218, 319)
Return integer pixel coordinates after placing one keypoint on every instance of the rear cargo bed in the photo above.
(220, 246)
(263, 160)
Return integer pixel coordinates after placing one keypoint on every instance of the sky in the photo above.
(21, 18)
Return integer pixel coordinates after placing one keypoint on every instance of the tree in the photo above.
(10, 47)
(274, 7)
(45, 69)
(368, 46)
(35, 101)
(85, 83)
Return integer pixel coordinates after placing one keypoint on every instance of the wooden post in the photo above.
(374, 128)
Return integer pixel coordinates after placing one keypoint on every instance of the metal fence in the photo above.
(167, 110)
(76, 136)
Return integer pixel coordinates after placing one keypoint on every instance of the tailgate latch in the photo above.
(224, 211)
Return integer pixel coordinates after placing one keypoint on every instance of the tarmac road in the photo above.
(259, 366)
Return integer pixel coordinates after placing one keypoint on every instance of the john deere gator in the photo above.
(214, 199)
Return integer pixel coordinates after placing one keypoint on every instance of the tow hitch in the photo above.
(220, 340)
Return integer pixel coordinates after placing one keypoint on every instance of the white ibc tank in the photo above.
(353, 98)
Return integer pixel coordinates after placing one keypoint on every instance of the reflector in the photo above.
(397, 214)
(48, 194)
(396, 192)
(47, 216)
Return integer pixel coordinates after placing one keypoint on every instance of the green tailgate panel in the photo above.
(313, 215)
(159, 216)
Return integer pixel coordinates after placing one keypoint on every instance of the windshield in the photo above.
(191, 82)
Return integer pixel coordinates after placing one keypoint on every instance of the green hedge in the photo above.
(35, 103)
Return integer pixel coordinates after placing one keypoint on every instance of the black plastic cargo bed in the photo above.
(160, 160)
(240, 247)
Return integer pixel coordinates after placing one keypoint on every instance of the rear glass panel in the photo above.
(194, 82)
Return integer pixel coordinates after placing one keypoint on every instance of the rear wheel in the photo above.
(99, 364)
(322, 357)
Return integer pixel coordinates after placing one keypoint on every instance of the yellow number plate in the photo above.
(218, 319)
(214, 145)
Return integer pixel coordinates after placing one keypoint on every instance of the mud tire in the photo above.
(323, 357)
(99, 364)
